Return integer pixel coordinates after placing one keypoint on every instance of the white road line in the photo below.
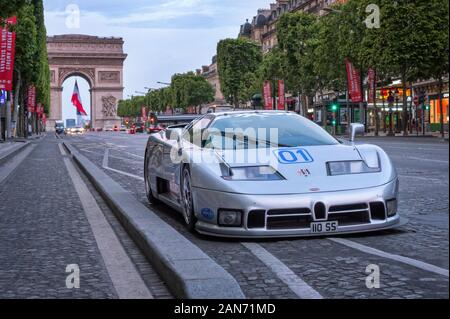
(105, 158)
(406, 260)
(428, 160)
(124, 173)
(294, 282)
(423, 178)
(124, 276)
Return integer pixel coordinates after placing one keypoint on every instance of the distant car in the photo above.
(109, 128)
(220, 108)
(123, 128)
(75, 130)
(154, 129)
(140, 127)
(116, 128)
(59, 129)
(299, 181)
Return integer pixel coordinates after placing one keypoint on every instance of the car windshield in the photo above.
(264, 130)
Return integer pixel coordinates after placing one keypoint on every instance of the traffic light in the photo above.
(334, 107)
(334, 122)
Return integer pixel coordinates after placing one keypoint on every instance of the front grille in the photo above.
(350, 207)
(292, 211)
(320, 211)
(350, 214)
(256, 219)
(349, 219)
(289, 222)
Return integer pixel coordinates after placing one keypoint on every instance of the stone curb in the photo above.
(187, 270)
(6, 155)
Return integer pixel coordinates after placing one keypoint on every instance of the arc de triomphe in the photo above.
(100, 62)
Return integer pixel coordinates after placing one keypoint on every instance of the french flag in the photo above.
(76, 100)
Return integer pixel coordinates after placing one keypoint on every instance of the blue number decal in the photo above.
(294, 156)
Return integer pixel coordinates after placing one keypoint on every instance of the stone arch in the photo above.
(100, 62)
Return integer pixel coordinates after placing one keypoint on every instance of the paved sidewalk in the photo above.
(43, 229)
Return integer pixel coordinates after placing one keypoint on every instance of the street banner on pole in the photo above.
(144, 114)
(31, 99)
(354, 82)
(372, 85)
(268, 101)
(281, 96)
(7, 54)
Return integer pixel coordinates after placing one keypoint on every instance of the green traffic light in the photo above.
(334, 107)
(334, 122)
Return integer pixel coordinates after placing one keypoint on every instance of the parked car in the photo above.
(304, 182)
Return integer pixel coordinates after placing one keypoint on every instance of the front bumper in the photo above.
(349, 204)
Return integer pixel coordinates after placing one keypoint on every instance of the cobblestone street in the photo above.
(335, 269)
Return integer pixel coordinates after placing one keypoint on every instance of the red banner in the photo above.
(268, 100)
(31, 105)
(372, 79)
(281, 96)
(354, 82)
(7, 52)
(144, 114)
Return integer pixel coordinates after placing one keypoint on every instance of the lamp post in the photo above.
(163, 83)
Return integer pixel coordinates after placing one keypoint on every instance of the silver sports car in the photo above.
(270, 174)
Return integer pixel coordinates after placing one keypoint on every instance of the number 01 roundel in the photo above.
(293, 156)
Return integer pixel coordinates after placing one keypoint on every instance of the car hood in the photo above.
(305, 169)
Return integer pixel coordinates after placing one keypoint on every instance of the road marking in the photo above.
(428, 160)
(124, 173)
(124, 276)
(294, 282)
(105, 158)
(406, 260)
(423, 178)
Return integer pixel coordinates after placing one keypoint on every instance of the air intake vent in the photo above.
(256, 219)
(377, 211)
(320, 211)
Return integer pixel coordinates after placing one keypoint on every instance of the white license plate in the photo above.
(324, 227)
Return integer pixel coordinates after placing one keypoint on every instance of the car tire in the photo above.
(148, 190)
(187, 200)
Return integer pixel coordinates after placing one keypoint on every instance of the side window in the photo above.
(194, 133)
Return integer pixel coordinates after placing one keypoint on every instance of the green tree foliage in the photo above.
(10, 8)
(190, 89)
(236, 59)
(43, 77)
(297, 36)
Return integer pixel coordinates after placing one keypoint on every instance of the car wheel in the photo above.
(188, 202)
(148, 190)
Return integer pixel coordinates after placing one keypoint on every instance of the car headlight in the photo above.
(251, 173)
(391, 206)
(230, 218)
(350, 167)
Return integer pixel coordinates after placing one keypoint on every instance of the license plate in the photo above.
(324, 227)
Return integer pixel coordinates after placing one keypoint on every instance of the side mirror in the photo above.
(356, 128)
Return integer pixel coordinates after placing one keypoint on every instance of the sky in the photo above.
(162, 37)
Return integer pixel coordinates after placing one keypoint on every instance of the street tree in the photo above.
(26, 68)
(10, 7)
(297, 34)
(236, 59)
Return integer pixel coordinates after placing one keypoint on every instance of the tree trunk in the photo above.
(405, 108)
(16, 101)
(441, 107)
(8, 117)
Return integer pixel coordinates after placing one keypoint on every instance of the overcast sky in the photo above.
(162, 37)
